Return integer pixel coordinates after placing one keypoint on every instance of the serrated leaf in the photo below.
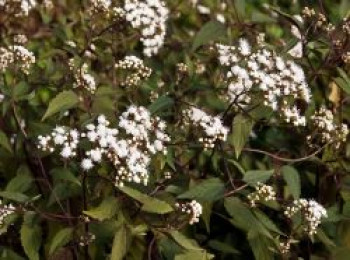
(253, 177)
(62, 102)
(4, 142)
(211, 31)
(150, 204)
(105, 210)
(64, 174)
(61, 238)
(208, 190)
(292, 178)
(241, 129)
(31, 240)
(120, 242)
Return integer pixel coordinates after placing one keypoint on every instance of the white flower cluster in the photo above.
(99, 6)
(128, 148)
(262, 192)
(211, 126)
(16, 55)
(82, 78)
(86, 239)
(65, 139)
(17, 8)
(263, 70)
(5, 210)
(193, 208)
(311, 211)
(327, 129)
(149, 16)
(136, 70)
(20, 39)
(285, 246)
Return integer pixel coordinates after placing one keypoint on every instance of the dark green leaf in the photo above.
(31, 240)
(150, 204)
(4, 142)
(253, 177)
(292, 178)
(241, 129)
(208, 190)
(160, 104)
(120, 243)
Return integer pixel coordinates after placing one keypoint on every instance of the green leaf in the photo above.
(204, 255)
(105, 210)
(150, 204)
(15, 196)
(185, 242)
(241, 129)
(260, 246)
(4, 142)
(211, 31)
(253, 177)
(62, 102)
(208, 190)
(342, 84)
(65, 175)
(22, 182)
(267, 222)
(61, 238)
(243, 217)
(292, 178)
(160, 104)
(120, 243)
(222, 247)
(31, 240)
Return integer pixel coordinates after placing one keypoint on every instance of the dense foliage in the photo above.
(149, 129)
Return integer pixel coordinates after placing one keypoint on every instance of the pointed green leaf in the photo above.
(150, 204)
(61, 238)
(292, 178)
(120, 243)
(208, 190)
(62, 102)
(241, 129)
(4, 142)
(105, 210)
(185, 242)
(31, 240)
(211, 31)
